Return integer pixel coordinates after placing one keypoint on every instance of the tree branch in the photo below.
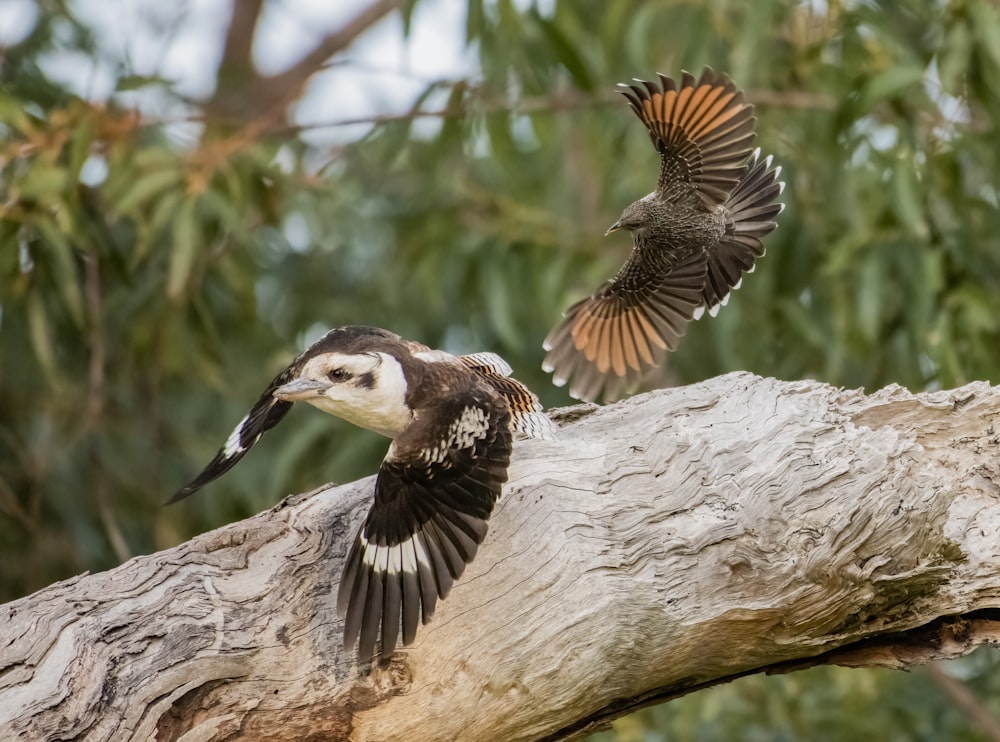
(295, 77)
(479, 103)
(238, 47)
(667, 543)
(243, 95)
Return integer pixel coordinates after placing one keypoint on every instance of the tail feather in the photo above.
(751, 209)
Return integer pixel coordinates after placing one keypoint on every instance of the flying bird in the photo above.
(451, 420)
(692, 238)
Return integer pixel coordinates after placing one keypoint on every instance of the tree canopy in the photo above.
(162, 254)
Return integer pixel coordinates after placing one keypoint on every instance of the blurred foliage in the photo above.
(153, 279)
(825, 704)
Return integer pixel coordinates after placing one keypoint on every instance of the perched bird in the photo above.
(451, 420)
(693, 237)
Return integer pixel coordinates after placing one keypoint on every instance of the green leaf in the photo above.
(80, 144)
(64, 268)
(138, 82)
(986, 26)
(13, 114)
(146, 188)
(906, 196)
(452, 126)
(871, 292)
(150, 230)
(976, 308)
(185, 248)
(43, 182)
(565, 51)
(42, 342)
(406, 14)
(889, 84)
(475, 21)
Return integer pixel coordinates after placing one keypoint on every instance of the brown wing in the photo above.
(609, 341)
(526, 412)
(750, 212)
(702, 129)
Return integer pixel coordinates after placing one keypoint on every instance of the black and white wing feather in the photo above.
(434, 493)
(264, 415)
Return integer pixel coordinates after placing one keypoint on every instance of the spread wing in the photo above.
(527, 414)
(702, 129)
(433, 495)
(606, 343)
(264, 415)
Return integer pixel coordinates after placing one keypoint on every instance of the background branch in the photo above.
(244, 95)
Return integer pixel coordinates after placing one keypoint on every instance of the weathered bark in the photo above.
(670, 542)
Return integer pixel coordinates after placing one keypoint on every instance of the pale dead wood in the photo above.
(664, 544)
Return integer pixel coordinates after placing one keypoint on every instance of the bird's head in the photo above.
(635, 217)
(366, 388)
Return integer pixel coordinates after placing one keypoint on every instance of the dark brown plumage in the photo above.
(693, 237)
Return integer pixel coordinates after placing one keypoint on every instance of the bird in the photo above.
(692, 238)
(451, 419)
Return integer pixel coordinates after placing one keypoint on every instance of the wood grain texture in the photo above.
(670, 542)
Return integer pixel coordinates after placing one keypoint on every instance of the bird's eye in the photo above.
(337, 374)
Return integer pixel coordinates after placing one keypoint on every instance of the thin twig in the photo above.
(96, 403)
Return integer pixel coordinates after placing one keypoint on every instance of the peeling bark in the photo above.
(667, 543)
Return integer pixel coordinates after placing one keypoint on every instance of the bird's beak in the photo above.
(614, 228)
(300, 389)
